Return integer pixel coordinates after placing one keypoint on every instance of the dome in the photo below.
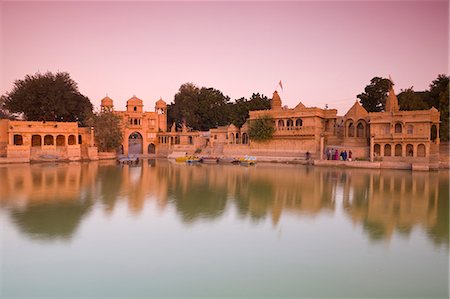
(160, 104)
(107, 101)
(134, 101)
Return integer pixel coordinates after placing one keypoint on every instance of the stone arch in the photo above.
(377, 149)
(244, 138)
(135, 143)
(151, 149)
(360, 129)
(71, 140)
(409, 150)
(231, 138)
(398, 150)
(433, 133)
(398, 128)
(289, 123)
(350, 129)
(48, 140)
(280, 123)
(18, 139)
(421, 150)
(387, 150)
(60, 140)
(299, 123)
(36, 140)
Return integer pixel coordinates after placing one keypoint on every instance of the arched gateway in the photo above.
(135, 144)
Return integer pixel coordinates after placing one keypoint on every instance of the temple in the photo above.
(390, 136)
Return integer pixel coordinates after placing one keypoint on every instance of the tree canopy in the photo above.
(107, 131)
(205, 108)
(373, 99)
(48, 97)
(262, 128)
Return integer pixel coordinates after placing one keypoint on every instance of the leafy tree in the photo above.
(262, 128)
(239, 110)
(373, 99)
(107, 131)
(48, 97)
(440, 99)
(4, 113)
(201, 108)
(408, 99)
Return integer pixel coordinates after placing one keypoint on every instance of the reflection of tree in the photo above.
(194, 194)
(56, 219)
(439, 232)
(109, 179)
(254, 197)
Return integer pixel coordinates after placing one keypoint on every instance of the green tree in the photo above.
(48, 97)
(107, 131)
(440, 100)
(373, 99)
(239, 110)
(4, 113)
(408, 99)
(262, 128)
(200, 108)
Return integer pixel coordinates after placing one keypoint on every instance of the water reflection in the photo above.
(50, 201)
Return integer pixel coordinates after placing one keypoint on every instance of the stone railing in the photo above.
(288, 131)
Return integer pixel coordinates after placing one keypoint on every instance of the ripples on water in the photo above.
(44, 203)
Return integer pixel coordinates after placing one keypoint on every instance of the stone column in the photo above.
(371, 149)
(92, 137)
(321, 147)
(438, 140)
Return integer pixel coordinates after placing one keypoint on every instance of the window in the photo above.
(60, 140)
(410, 129)
(387, 150)
(18, 140)
(134, 108)
(398, 128)
(71, 139)
(48, 140)
(299, 123)
(36, 140)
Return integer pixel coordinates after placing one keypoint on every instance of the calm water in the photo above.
(173, 230)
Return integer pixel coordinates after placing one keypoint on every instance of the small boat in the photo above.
(247, 160)
(128, 160)
(181, 159)
(228, 160)
(192, 160)
(210, 160)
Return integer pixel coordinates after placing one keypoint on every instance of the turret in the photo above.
(107, 104)
(275, 103)
(135, 105)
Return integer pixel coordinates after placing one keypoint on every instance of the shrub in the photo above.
(262, 128)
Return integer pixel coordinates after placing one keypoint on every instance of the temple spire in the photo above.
(391, 101)
(276, 101)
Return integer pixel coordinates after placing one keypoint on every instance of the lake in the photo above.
(163, 229)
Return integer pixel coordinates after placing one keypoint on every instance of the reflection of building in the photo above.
(22, 141)
(392, 201)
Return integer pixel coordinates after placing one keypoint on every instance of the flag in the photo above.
(281, 85)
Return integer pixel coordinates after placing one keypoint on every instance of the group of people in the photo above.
(334, 154)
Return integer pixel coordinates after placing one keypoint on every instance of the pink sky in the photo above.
(324, 52)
